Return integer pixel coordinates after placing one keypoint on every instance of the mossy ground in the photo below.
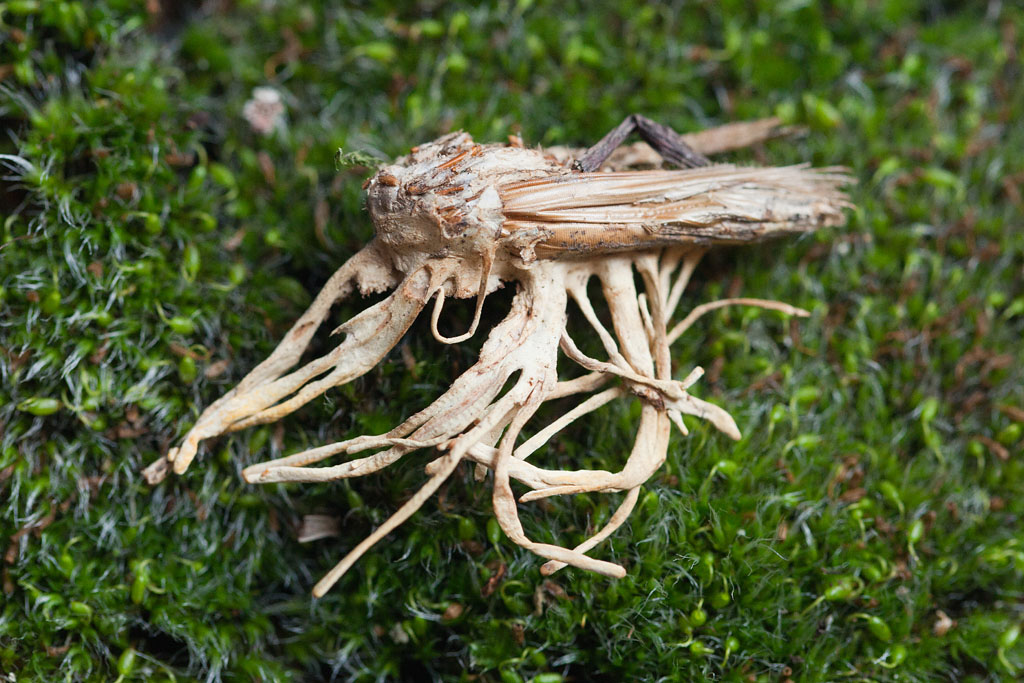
(153, 248)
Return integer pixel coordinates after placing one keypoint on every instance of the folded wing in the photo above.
(724, 203)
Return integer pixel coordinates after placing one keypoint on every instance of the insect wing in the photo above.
(587, 212)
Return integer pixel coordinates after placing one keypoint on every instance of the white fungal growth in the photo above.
(458, 219)
(264, 111)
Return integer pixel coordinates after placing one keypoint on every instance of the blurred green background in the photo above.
(153, 248)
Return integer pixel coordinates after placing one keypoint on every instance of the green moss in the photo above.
(153, 248)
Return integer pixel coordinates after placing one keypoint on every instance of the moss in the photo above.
(153, 248)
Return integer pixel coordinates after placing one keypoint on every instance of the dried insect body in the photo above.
(458, 219)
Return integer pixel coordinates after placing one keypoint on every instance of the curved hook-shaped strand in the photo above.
(619, 517)
(485, 276)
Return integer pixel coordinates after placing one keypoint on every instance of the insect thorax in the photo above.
(442, 198)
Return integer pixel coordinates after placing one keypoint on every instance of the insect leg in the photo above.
(668, 143)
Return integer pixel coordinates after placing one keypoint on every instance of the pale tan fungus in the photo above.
(458, 219)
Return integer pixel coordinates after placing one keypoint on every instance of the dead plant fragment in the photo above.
(459, 219)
